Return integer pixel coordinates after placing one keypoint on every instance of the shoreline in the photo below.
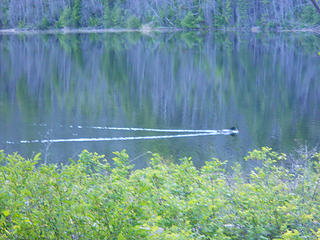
(305, 30)
(87, 30)
(144, 30)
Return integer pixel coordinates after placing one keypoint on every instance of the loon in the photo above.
(235, 131)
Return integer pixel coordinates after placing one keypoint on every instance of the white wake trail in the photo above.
(61, 140)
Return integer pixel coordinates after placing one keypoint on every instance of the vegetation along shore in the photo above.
(89, 199)
(132, 14)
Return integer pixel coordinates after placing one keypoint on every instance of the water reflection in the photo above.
(268, 86)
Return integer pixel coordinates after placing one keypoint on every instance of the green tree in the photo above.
(107, 22)
(117, 17)
(316, 5)
(76, 13)
(65, 18)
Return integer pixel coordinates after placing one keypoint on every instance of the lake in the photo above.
(63, 86)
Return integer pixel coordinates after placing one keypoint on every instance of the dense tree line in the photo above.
(169, 13)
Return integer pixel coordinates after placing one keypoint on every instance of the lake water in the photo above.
(267, 85)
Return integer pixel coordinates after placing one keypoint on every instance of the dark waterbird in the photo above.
(235, 131)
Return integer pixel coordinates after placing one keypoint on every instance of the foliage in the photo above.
(113, 17)
(4, 14)
(94, 22)
(133, 22)
(309, 15)
(90, 200)
(223, 13)
(21, 24)
(76, 13)
(65, 18)
(170, 13)
(44, 24)
(107, 22)
(189, 21)
(117, 17)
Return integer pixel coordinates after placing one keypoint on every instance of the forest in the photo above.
(192, 14)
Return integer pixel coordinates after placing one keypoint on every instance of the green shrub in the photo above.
(133, 22)
(88, 199)
(4, 21)
(192, 20)
(44, 24)
(189, 21)
(94, 22)
(113, 17)
(21, 24)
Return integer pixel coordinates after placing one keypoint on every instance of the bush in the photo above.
(113, 17)
(90, 200)
(189, 21)
(44, 24)
(21, 24)
(133, 22)
(94, 22)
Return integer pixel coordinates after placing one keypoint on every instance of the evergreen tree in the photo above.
(76, 13)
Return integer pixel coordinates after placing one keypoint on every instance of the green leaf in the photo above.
(6, 213)
(121, 237)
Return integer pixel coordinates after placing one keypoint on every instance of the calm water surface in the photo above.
(266, 85)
